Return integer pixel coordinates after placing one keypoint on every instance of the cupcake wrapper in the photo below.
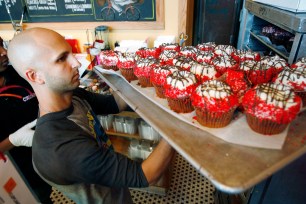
(263, 126)
(145, 82)
(114, 67)
(182, 105)
(128, 74)
(213, 119)
(159, 90)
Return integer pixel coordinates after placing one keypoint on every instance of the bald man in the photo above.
(70, 148)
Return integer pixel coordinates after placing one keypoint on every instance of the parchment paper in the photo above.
(237, 132)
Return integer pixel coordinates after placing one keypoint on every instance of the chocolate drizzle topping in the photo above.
(184, 78)
(275, 93)
(146, 62)
(204, 54)
(191, 49)
(215, 89)
(182, 61)
(228, 49)
(167, 54)
(223, 60)
(205, 68)
(207, 46)
(247, 65)
(292, 74)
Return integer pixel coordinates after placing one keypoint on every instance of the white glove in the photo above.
(24, 135)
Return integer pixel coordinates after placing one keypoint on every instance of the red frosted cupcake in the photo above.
(208, 46)
(270, 107)
(276, 63)
(108, 59)
(166, 57)
(204, 56)
(261, 73)
(183, 62)
(238, 82)
(126, 64)
(143, 70)
(243, 55)
(188, 51)
(158, 78)
(294, 78)
(223, 63)
(204, 71)
(214, 103)
(145, 52)
(178, 88)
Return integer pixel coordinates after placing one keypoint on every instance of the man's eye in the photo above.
(62, 59)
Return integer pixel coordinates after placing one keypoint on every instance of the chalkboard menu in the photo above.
(77, 10)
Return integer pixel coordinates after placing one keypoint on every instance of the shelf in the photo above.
(230, 167)
(272, 47)
(292, 22)
(256, 15)
(119, 134)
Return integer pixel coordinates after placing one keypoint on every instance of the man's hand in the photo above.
(23, 136)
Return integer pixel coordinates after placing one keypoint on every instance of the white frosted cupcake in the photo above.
(178, 88)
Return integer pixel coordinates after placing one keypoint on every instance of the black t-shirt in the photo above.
(16, 111)
(68, 154)
(18, 107)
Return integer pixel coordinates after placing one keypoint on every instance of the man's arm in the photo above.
(22, 137)
(122, 105)
(158, 161)
(6, 145)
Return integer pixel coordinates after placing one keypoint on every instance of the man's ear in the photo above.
(35, 77)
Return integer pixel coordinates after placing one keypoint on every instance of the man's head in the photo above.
(3, 57)
(44, 58)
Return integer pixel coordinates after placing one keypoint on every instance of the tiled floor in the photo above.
(187, 186)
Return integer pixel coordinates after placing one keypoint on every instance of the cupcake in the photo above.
(166, 57)
(270, 107)
(145, 52)
(295, 78)
(261, 73)
(224, 50)
(301, 62)
(246, 66)
(158, 78)
(204, 56)
(188, 51)
(208, 46)
(108, 59)
(170, 46)
(143, 70)
(204, 71)
(183, 62)
(223, 63)
(178, 88)
(238, 82)
(126, 64)
(276, 63)
(242, 55)
(214, 104)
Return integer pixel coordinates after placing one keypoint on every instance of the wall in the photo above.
(171, 8)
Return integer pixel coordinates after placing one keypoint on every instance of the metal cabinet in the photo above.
(256, 15)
